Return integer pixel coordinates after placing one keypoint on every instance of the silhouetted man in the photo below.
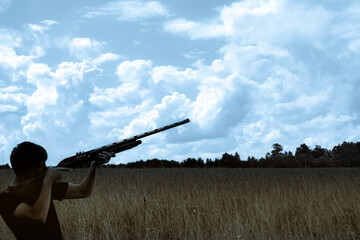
(27, 206)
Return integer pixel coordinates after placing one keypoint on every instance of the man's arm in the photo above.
(84, 189)
(40, 209)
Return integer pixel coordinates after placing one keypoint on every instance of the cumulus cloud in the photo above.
(296, 59)
(57, 105)
(129, 10)
(221, 104)
(39, 102)
(85, 48)
(137, 71)
(11, 43)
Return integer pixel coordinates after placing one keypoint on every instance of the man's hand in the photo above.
(55, 174)
(104, 157)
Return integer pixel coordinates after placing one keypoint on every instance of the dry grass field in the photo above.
(212, 204)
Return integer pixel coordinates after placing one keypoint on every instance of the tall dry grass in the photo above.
(213, 204)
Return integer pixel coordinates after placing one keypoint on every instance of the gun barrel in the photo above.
(157, 130)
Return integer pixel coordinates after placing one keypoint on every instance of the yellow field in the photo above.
(212, 204)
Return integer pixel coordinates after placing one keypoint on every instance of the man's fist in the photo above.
(104, 157)
(54, 174)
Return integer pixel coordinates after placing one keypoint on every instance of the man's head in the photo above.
(27, 156)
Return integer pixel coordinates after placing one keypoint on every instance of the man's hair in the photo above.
(27, 156)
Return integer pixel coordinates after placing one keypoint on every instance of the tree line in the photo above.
(346, 154)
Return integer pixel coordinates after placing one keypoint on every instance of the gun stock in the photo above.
(83, 159)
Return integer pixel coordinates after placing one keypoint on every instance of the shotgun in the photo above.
(83, 159)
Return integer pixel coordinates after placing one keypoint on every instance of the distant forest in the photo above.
(346, 154)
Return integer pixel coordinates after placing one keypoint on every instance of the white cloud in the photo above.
(137, 71)
(7, 108)
(10, 89)
(11, 99)
(11, 42)
(129, 10)
(207, 106)
(126, 93)
(113, 117)
(45, 94)
(195, 30)
(9, 37)
(105, 58)
(43, 26)
(9, 58)
(49, 22)
(71, 74)
(52, 107)
(168, 79)
(171, 75)
(221, 104)
(84, 48)
(273, 136)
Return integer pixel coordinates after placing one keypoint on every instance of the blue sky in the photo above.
(75, 75)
